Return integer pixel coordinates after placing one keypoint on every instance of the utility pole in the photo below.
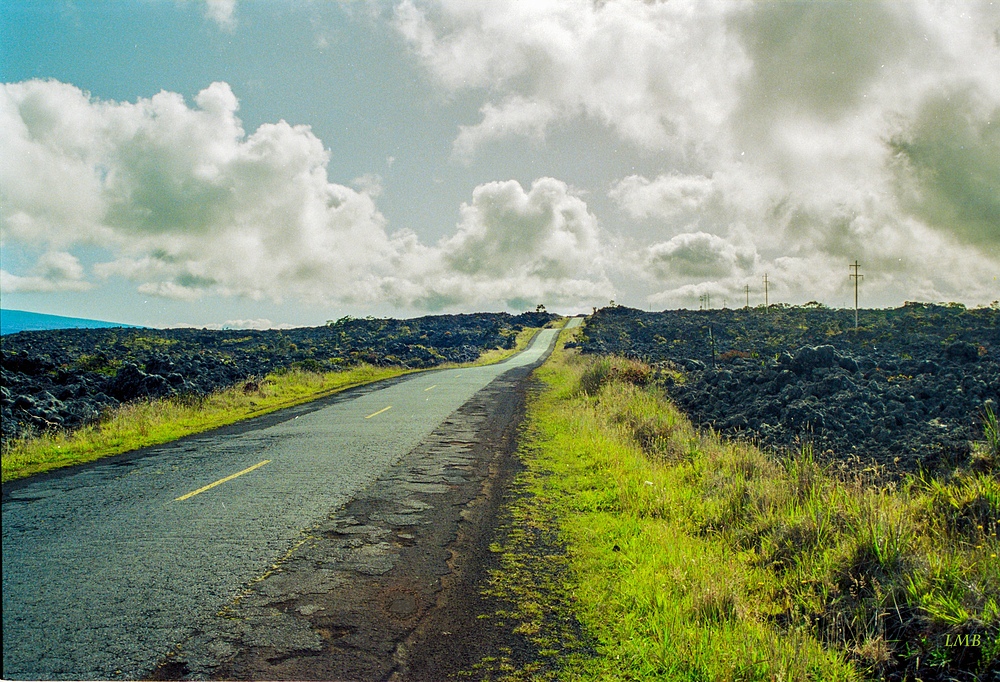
(711, 338)
(746, 290)
(856, 277)
(766, 303)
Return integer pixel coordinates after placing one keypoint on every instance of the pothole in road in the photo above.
(401, 603)
(171, 670)
(330, 630)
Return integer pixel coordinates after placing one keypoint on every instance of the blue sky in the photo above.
(258, 163)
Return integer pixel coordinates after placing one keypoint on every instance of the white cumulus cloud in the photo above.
(187, 200)
(189, 205)
(222, 12)
(659, 73)
(668, 196)
(546, 232)
(698, 255)
(55, 271)
(516, 247)
(809, 134)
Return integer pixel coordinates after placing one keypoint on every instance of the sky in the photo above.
(270, 163)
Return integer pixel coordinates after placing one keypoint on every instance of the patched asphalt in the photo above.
(106, 572)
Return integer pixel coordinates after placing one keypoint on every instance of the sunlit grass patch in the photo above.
(986, 455)
(689, 557)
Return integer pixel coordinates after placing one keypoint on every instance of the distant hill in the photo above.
(13, 321)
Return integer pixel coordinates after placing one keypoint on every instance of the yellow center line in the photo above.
(379, 412)
(221, 481)
(429, 388)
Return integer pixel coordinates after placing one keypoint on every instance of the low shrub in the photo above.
(614, 369)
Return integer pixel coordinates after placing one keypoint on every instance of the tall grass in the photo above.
(986, 455)
(692, 558)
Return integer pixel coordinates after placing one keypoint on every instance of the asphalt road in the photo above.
(108, 567)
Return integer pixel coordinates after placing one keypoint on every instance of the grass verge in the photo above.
(154, 422)
(690, 558)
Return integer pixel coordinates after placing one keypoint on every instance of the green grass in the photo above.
(690, 558)
(986, 455)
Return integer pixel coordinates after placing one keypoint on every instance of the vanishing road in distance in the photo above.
(108, 566)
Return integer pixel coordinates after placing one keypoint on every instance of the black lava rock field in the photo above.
(67, 378)
(908, 389)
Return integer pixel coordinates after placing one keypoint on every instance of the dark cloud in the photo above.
(948, 167)
(817, 58)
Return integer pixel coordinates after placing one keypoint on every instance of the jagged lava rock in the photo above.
(908, 389)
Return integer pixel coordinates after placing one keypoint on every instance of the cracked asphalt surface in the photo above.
(106, 571)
